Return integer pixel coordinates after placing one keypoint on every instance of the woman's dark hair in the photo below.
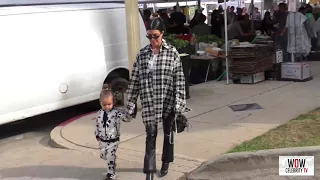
(302, 10)
(156, 24)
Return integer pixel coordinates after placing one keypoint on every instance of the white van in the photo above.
(56, 56)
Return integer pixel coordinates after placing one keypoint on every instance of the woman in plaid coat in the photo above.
(157, 77)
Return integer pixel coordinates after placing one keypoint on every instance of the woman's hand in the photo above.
(132, 109)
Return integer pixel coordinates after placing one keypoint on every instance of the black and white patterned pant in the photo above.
(108, 152)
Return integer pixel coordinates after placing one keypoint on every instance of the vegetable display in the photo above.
(176, 42)
(183, 46)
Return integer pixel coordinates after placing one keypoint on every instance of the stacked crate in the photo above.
(250, 61)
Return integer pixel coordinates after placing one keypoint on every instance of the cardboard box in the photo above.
(295, 71)
(252, 78)
(213, 51)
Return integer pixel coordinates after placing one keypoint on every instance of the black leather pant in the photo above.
(167, 151)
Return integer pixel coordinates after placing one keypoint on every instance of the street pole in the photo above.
(226, 39)
(133, 36)
(252, 14)
(133, 30)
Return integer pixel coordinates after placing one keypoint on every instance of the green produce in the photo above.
(177, 42)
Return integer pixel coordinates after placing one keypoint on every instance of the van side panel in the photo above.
(54, 60)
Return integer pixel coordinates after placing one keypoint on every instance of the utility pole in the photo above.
(133, 30)
(133, 36)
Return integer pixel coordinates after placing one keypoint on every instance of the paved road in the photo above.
(26, 154)
(45, 122)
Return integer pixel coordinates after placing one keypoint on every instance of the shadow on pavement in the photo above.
(71, 172)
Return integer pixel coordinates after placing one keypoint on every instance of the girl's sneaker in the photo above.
(110, 177)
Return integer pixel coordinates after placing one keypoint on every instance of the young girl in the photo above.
(108, 130)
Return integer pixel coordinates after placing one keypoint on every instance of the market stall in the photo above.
(249, 62)
(200, 55)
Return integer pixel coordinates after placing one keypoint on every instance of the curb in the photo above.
(244, 161)
(56, 139)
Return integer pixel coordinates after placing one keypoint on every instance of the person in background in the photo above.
(220, 9)
(164, 16)
(217, 23)
(317, 29)
(244, 11)
(202, 28)
(177, 20)
(178, 17)
(256, 14)
(146, 14)
(246, 24)
(243, 20)
(235, 30)
(302, 10)
(281, 33)
(239, 11)
(231, 15)
(267, 24)
(194, 20)
(231, 9)
(311, 26)
(158, 78)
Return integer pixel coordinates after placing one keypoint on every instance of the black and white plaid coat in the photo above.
(161, 90)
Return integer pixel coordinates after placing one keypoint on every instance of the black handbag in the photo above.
(180, 123)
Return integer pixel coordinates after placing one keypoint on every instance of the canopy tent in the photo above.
(128, 2)
(225, 24)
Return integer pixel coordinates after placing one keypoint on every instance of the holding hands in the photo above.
(132, 110)
(128, 113)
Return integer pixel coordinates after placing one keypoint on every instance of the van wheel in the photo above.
(119, 86)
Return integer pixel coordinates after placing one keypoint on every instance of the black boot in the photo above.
(150, 156)
(149, 176)
(164, 169)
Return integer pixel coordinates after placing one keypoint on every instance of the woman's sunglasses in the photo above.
(154, 36)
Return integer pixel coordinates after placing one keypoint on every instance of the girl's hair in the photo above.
(105, 93)
(155, 24)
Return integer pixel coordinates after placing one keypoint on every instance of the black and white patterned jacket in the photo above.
(162, 88)
(108, 123)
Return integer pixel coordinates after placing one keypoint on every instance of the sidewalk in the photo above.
(215, 127)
